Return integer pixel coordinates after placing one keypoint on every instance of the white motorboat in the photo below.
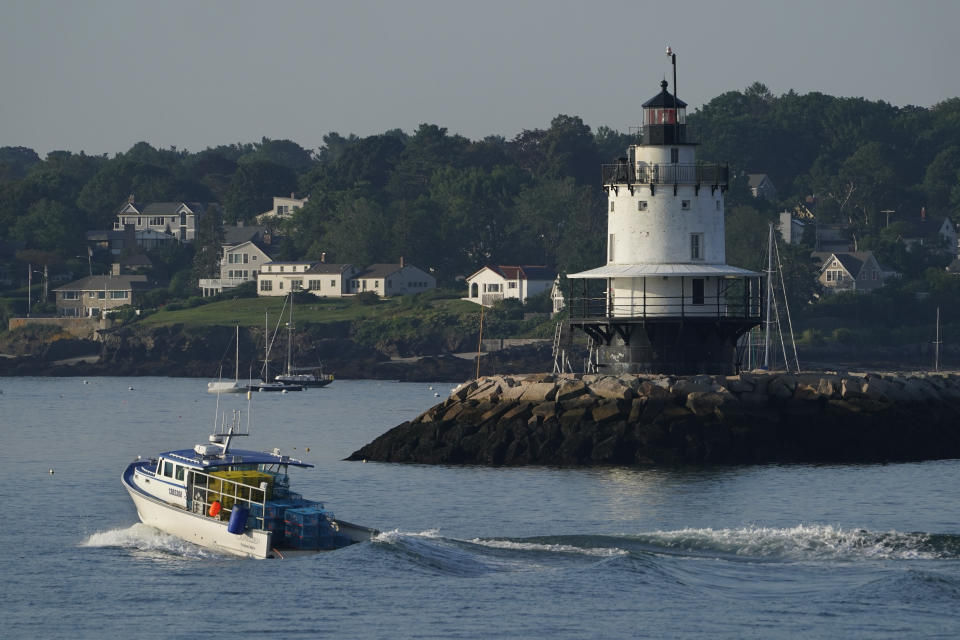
(234, 501)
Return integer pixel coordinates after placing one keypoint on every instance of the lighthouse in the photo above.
(665, 301)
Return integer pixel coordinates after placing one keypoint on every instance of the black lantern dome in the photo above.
(664, 118)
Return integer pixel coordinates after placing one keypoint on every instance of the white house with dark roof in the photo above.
(280, 278)
(849, 271)
(494, 283)
(328, 280)
(94, 295)
(283, 209)
(934, 232)
(392, 279)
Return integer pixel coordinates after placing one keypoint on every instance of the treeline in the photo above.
(451, 204)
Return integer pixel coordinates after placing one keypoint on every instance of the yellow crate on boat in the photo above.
(241, 484)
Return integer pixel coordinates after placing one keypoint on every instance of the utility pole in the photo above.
(888, 212)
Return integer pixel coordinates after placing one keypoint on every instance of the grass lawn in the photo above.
(249, 312)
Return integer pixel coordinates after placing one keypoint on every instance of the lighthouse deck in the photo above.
(623, 173)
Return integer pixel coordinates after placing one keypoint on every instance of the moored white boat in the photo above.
(234, 501)
(230, 386)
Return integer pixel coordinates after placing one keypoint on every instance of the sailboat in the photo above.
(309, 377)
(227, 386)
(266, 384)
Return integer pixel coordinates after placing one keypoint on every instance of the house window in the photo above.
(333, 283)
(697, 294)
(118, 295)
(611, 205)
(641, 205)
(874, 275)
(696, 246)
(296, 285)
(101, 295)
(69, 295)
(511, 285)
(266, 285)
(281, 268)
(610, 247)
(280, 285)
(834, 275)
(674, 155)
(685, 205)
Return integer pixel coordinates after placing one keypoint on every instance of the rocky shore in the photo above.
(759, 417)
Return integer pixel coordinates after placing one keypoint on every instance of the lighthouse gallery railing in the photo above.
(727, 306)
(697, 174)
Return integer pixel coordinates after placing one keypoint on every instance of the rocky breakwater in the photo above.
(643, 420)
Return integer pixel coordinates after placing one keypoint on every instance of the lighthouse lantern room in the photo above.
(666, 301)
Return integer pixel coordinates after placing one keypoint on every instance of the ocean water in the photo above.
(799, 551)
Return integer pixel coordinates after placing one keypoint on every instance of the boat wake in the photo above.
(141, 537)
(801, 544)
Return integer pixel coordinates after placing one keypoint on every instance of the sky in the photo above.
(99, 76)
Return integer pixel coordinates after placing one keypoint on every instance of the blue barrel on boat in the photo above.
(238, 520)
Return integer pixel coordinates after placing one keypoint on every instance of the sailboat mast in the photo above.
(236, 361)
(766, 338)
(290, 338)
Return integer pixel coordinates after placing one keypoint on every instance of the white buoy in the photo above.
(85, 382)
(51, 471)
(436, 395)
(130, 388)
(283, 391)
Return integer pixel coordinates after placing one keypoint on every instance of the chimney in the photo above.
(401, 262)
(115, 269)
(130, 199)
(323, 256)
(291, 195)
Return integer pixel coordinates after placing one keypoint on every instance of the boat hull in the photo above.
(212, 533)
(194, 527)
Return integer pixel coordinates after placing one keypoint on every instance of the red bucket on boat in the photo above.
(214, 509)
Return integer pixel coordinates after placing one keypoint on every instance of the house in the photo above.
(129, 239)
(95, 295)
(761, 186)
(392, 279)
(790, 228)
(494, 283)
(280, 278)
(327, 280)
(850, 271)
(283, 209)
(934, 232)
(244, 250)
(177, 219)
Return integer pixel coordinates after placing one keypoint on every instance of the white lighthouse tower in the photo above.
(667, 302)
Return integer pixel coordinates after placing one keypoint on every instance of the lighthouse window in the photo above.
(718, 205)
(610, 245)
(685, 205)
(696, 246)
(641, 205)
(611, 205)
